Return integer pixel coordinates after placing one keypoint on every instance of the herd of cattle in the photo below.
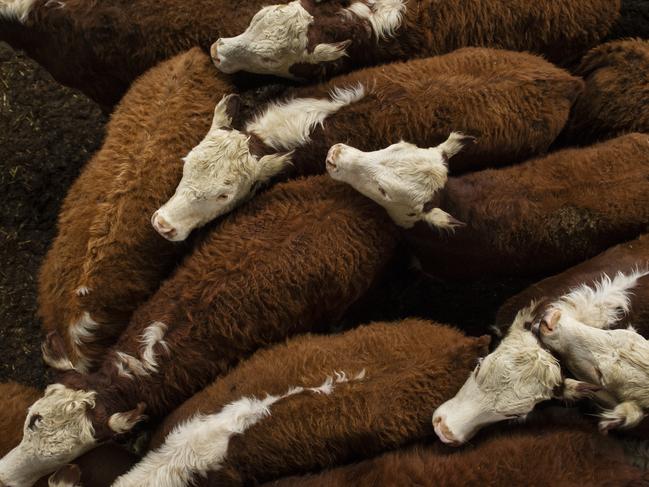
(223, 225)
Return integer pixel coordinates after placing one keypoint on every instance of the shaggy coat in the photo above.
(616, 96)
(100, 47)
(420, 363)
(291, 261)
(624, 258)
(545, 455)
(540, 216)
(514, 103)
(14, 401)
(368, 32)
(107, 259)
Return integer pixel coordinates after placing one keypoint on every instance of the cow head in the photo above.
(506, 384)
(59, 427)
(218, 175)
(284, 39)
(402, 178)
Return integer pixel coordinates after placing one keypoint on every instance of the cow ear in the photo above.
(440, 219)
(330, 52)
(482, 344)
(226, 111)
(54, 353)
(271, 165)
(66, 476)
(120, 423)
(455, 143)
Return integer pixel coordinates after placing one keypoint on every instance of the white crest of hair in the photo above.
(16, 9)
(128, 366)
(604, 304)
(152, 336)
(82, 291)
(200, 445)
(82, 331)
(287, 125)
(385, 16)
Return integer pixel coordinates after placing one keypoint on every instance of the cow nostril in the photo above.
(437, 420)
(214, 52)
(163, 227)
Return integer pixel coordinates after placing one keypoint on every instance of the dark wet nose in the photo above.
(162, 227)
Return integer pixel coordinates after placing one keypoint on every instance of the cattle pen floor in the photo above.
(47, 133)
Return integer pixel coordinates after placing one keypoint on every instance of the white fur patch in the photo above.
(200, 444)
(288, 125)
(129, 366)
(16, 9)
(81, 332)
(385, 16)
(58, 363)
(604, 304)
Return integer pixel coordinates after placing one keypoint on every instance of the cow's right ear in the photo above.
(120, 423)
(54, 352)
(455, 144)
(226, 112)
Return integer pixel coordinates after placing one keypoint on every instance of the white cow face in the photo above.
(218, 175)
(403, 178)
(275, 40)
(508, 383)
(58, 429)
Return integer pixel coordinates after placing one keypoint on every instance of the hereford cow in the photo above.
(545, 454)
(307, 39)
(291, 261)
(101, 47)
(537, 217)
(106, 258)
(616, 360)
(272, 417)
(522, 373)
(515, 103)
(616, 95)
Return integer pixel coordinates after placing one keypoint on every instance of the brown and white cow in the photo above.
(515, 103)
(521, 372)
(310, 39)
(527, 219)
(291, 261)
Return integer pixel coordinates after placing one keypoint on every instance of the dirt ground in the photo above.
(47, 132)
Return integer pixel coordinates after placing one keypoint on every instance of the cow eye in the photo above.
(383, 193)
(223, 196)
(33, 420)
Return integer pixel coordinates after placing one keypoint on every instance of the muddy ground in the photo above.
(47, 133)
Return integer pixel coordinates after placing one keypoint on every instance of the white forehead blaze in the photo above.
(509, 382)
(57, 430)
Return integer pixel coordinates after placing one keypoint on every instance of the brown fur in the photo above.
(291, 261)
(106, 242)
(616, 97)
(411, 367)
(543, 215)
(545, 455)
(515, 103)
(102, 46)
(624, 258)
(100, 467)
(14, 401)
(561, 30)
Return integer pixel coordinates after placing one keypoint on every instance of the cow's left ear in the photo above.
(330, 52)
(455, 143)
(440, 219)
(66, 476)
(271, 165)
(120, 423)
(226, 112)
